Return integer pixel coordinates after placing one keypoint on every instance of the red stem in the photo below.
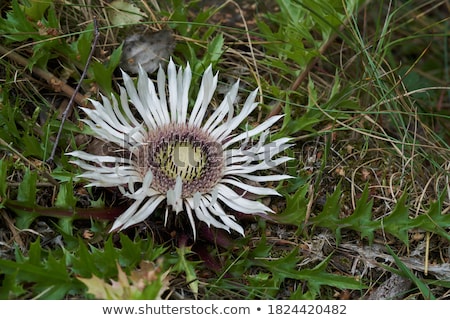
(77, 213)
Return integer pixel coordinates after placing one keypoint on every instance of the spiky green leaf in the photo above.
(361, 219)
(397, 222)
(424, 289)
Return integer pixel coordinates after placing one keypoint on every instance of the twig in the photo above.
(427, 254)
(72, 98)
(56, 83)
(11, 226)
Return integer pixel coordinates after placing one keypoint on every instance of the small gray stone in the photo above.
(148, 49)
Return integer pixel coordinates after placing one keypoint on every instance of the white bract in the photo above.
(193, 161)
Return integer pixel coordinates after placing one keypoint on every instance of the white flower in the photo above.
(192, 160)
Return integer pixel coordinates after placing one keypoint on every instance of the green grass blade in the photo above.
(424, 289)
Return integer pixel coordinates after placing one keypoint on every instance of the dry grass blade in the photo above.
(55, 83)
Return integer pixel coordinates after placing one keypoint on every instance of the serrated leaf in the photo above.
(130, 253)
(52, 17)
(27, 188)
(99, 288)
(286, 267)
(295, 211)
(433, 220)
(318, 276)
(34, 254)
(282, 268)
(66, 227)
(122, 13)
(41, 54)
(84, 44)
(27, 195)
(215, 49)
(48, 278)
(32, 146)
(16, 26)
(114, 59)
(147, 283)
(263, 285)
(303, 123)
(188, 267)
(106, 259)
(65, 198)
(11, 288)
(397, 222)
(262, 249)
(83, 263)
(361, 219)
(329, 217)
(103, 73)
(35, 9)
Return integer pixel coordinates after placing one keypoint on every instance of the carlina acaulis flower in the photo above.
(192, 162)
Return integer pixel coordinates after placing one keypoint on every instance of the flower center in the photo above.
(179, 150)
(181, 159)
